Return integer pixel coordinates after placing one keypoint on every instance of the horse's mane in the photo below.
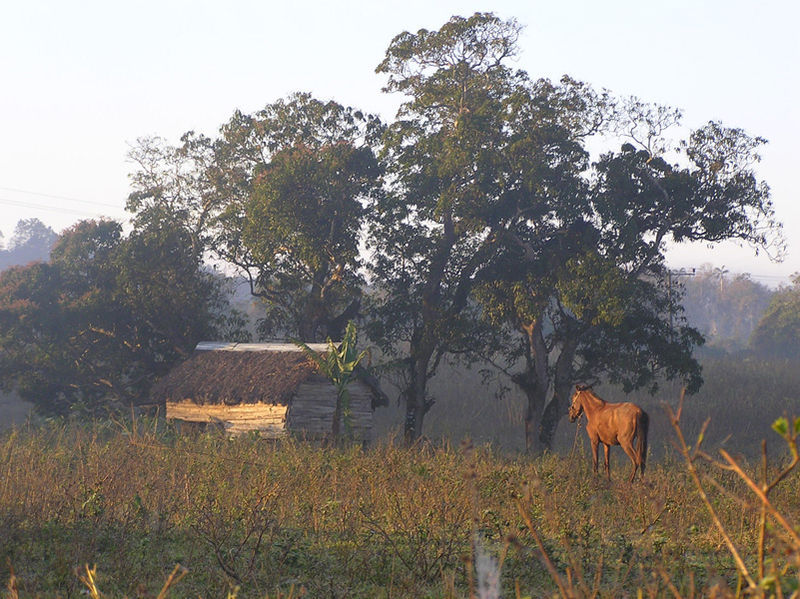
(580, 388)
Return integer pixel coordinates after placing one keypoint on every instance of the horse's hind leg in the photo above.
(627, 445)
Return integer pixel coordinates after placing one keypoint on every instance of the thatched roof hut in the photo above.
(273, 388)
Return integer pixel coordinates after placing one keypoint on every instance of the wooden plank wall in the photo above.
(310, 414)
(267, 418)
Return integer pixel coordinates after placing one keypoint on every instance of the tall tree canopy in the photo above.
(281, 195)
(433, 232)
(297, 237)
(591, 297)
(495, 196)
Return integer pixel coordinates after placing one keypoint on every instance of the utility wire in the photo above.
(56, 197)
(54, 209)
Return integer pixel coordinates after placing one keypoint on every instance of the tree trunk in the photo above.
(534, 381)
(337, 419)
(533, 411)
(562, 384)
(417, 404)
(435, 314)
(308, 325)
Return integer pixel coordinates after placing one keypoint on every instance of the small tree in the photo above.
(339, 365)
(105, 316)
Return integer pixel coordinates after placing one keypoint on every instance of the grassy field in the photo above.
(114, 509)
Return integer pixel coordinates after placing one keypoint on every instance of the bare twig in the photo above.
(654, 520)
(565, 594)
(89, 578)
(178, 572)
(690, 456)
(761, 493)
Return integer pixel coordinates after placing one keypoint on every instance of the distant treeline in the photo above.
(31, 242)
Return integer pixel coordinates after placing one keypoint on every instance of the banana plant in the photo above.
(339, 365)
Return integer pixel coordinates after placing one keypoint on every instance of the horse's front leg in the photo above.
(606, 451)
(595, 446)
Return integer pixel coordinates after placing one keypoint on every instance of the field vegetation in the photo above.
(131, 508)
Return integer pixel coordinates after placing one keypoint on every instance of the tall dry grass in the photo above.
(133, 509)
(126, 507)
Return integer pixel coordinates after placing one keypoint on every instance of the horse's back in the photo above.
(618, 420)
(634, 409)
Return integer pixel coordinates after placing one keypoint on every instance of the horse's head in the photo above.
(576, 407)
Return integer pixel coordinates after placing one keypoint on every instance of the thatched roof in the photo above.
(233, 377)
(245, 373)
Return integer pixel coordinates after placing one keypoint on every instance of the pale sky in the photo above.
(80, 81)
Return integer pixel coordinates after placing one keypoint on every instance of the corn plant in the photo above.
(339, 365)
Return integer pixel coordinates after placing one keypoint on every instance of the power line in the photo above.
(757, 276)
(698, 271)
(53, 209)
(57, 197)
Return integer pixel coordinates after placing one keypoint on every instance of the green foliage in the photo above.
(296, 178)
(300, 232)
(177, 185)
(778, 332)
(581, 279)
(494, 194)
(104, 317)
(594, 290)
(781, 426)
(445, 156)
(339, 364)
(280, 194)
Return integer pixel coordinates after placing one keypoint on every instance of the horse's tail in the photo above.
(642, 426)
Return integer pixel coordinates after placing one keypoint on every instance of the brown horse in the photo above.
(612, 424)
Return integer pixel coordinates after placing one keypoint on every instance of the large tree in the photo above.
(433, 232)
(281, 195)
(494, 196)
(105, 316)
(593, 300)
